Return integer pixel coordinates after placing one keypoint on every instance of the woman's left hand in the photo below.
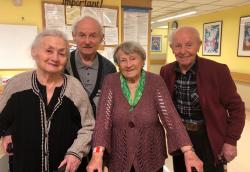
(192, 160)
(71, 162)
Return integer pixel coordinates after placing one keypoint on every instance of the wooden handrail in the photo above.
(241, 77)
(157, 61)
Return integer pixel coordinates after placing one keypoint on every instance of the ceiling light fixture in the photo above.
(162, 27)
(177, 16)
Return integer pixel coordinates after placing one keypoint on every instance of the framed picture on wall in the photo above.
(244, 37)
(155, 44)
(212, 39)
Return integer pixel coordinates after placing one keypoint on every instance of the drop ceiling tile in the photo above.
(164, 4)
(175, 0)
(182, 5)
(208, 7)
(244, 3)
(200, 1)
(230, 2)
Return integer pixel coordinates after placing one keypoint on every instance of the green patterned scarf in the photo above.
(138, 92)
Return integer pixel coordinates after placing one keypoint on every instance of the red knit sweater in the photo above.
(137, 138)
(221, 105)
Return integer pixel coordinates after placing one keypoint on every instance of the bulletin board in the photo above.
(136, 27)
(15, 44)
(59, 16)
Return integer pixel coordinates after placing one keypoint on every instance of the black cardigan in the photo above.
(105, 67)
(71, 124)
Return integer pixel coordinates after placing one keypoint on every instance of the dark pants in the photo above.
(84, 163)
(81, 168)
(133, 170)
(11, 163)
(202, 149)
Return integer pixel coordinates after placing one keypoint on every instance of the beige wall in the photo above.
(155, 68)
(244, 91)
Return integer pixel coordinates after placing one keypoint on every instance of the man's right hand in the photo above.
(5, 141)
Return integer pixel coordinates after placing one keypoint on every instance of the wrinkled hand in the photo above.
(229, 152)
(95, 163)
(6, 140)
(72, 163)
(192, 160)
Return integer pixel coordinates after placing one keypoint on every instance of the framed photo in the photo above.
(212, 39)
(244, 37)
(155, 43)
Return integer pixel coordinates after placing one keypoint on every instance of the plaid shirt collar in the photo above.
(192, 70)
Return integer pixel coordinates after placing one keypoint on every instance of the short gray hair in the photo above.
(194, 30)
(49, 32)
(79, 19)
(129, 47)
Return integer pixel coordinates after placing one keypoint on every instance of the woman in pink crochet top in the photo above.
(133, 110)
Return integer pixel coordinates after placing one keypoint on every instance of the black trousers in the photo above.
(81, 168)
(11, 163)
(83, 165)
(202, 149)
(133, 170)
(85, 162)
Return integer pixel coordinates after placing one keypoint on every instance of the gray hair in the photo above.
(79, 19)
(50, 32)
(129, 47)
(194, 30)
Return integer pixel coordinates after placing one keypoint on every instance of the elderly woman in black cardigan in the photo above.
(48, 113)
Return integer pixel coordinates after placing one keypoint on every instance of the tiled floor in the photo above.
(241, 162)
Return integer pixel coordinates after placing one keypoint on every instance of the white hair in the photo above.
(78, 20)
(194, 30)
(129, 47)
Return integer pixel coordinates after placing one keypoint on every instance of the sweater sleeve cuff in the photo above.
(231, 141)
(74, 154)
(4, 133)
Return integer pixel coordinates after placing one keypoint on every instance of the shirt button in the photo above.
(131, 124)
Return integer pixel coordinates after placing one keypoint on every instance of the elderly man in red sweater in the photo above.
(206, 98)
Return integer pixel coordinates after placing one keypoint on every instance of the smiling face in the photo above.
(50, 54)
(88, 36)
(130, 65)
(185, 46)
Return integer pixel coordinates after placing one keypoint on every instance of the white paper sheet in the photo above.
(111, 35)
(54, 16)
